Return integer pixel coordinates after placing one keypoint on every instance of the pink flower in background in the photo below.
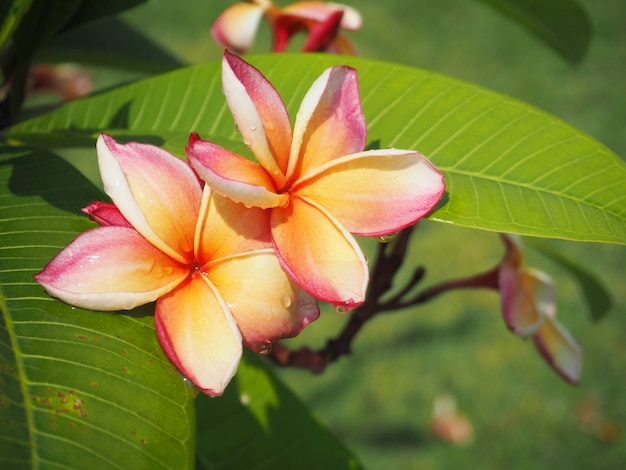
(316, 183)
(68, 81)
(206, 260)
(529, 306)
(236, 27)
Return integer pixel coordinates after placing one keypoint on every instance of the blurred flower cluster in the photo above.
(321, 22)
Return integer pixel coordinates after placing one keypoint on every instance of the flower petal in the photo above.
(158, 193)
(232, 175)
(543, 290)
(110, 268)
(322, 34)
(227, 228)
(104, 213)
(329, 123)
(265, 302)
(199, 334)
(319, 11)
(376, 192)
(259, 113)
(560, 350)
(236, 27)
(342, 45)
(284, 27)
(518, 299)
(318, 253)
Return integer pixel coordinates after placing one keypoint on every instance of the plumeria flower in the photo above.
(236, 27)
(68, 81)
(316, 184)
(206, 260)
(529, 306)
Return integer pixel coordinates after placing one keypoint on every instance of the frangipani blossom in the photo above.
(316, 183)
(529, 307)
(206, 260)
(236, 27)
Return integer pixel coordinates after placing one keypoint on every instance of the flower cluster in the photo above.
(236, 27)
(236, 253)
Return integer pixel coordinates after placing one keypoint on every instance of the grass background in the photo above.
(379, 400)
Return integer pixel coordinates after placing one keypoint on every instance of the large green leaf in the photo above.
(508, 166)
(78, 389)
(90, 10)
(109, 42)
(562, 24)
(266, 425)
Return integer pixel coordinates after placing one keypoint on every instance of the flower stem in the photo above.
(389, 259)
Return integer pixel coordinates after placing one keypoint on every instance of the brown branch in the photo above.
(389, 259)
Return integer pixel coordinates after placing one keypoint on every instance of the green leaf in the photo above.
(508, 166)
(90, 10)
(11, 13)
(562, 24)
(109, 42)
(596, 295)
(78, 389)
(262, 417)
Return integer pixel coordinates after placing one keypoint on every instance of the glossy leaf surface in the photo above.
(76, 387)
(508, 166)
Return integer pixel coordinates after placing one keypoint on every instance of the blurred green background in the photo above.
(379, 401)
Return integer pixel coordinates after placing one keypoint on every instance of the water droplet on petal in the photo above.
(264, 348)
(285, 301)
(386, 238)
(343, 309)
(253, 127)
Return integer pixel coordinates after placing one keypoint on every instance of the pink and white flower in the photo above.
(316, 184)
(206, 260)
